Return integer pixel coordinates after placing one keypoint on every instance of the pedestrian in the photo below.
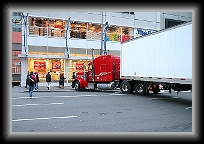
(31, 83)
(48, 80)
(61, 81)
(37, 80)
(73, 75)
(27, 79)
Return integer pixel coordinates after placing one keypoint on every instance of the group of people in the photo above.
(36, 77)
(32, 81)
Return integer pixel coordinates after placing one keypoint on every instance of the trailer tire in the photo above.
(125, 87)
(140, 88)
(77, 86)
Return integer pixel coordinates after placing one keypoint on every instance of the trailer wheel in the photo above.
(139, 88)
(77, 86)
(125, 87)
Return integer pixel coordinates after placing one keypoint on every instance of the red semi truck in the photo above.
(146, 64)
(103, 72)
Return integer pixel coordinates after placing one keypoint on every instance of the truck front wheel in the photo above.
(77, 86)
(125, 87)
(139, 88)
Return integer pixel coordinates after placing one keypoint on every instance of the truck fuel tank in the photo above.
(106, 86)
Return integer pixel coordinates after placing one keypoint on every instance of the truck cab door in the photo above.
(103, 73)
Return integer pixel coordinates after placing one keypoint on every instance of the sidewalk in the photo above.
(42, 87)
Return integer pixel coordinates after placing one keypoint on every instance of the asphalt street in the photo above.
(66, 110)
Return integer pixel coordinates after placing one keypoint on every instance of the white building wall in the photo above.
(75, 43)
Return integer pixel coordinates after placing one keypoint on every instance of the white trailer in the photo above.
(163, 58)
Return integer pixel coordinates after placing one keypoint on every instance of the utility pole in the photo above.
(105, 29)
(67, 36)
(25, 34)
(101, 51)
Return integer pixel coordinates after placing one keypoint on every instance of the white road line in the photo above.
(39, 104)
(117, 94)
(58, 96)
(188, 108)
(162, 98)
(44, 118)
(167, 91)
(186, 91)
(44, 97)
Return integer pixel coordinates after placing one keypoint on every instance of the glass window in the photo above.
(113, 33)
(94, 31)
(16, 21)
(56, 28)
(42, 66)
(132, 13)
(38, 26)
(38, 22)
(17, 13)
(171, 22)
(78, 30)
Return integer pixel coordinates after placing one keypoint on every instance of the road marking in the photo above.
(188, 108)
(162, 98)
(39, 104)
(117, 94)
(58, 96)
(43, 118)
(186, 91)
(167, 91)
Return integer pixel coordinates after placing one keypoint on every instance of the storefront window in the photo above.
(42, 66)
(77, 66)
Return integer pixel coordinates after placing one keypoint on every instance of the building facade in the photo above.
(63, 42)
(16, 42)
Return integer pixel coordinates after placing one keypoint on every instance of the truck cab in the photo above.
(102, 73)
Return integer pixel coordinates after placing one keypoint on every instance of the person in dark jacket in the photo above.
(73, 75)
(61, 81)
(31, 82)
(48, 80)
